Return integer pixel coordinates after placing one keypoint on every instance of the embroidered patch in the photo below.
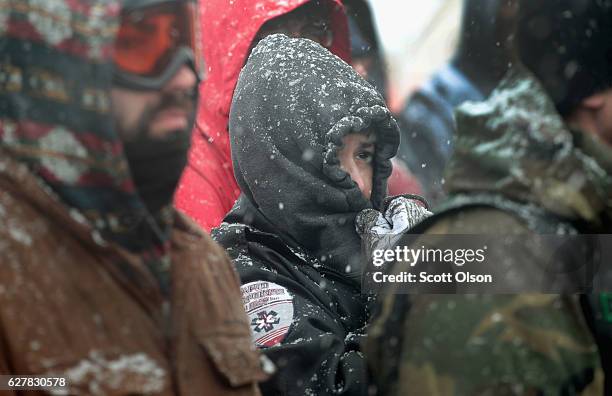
(270, 310)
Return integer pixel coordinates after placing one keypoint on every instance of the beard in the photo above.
(156, 164)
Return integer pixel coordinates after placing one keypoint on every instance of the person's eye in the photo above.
(366, 156)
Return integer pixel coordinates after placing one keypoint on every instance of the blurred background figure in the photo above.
(534, 158)
(208, 190)
(367, 58)
(579, 61)
(479, 62)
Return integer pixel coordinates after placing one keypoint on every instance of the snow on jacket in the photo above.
(73, 306)
(74, 301)
(208, 189)
(292, 232)
(513, 172)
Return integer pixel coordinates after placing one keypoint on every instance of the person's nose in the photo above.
(353, 170)
(184, 80)
(360, 182)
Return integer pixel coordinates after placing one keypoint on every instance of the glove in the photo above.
(402, 214)
(382, 231)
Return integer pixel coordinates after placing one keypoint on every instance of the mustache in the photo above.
(184, 100)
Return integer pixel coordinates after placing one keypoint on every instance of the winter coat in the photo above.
(74, 306)
(75, 300)
(517, 169)
(428, 127)
(208, 189)
(292, 232)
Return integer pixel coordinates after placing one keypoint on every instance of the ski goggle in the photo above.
(154, 42)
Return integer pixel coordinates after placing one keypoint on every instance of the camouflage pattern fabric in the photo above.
(517, 147)
(491, 345)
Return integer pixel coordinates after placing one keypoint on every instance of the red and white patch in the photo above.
(270, 310)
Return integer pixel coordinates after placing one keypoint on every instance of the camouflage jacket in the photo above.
(515, 148)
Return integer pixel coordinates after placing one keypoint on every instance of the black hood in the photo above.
(293, 104)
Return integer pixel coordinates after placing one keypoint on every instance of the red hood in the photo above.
(228, 28)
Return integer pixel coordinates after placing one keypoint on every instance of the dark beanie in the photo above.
(568, 45)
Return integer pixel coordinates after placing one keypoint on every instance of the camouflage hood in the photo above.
(517, 145)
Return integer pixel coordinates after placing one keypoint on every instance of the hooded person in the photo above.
(103, 284)
(367, 58)
(230, 30)
(534, 159)
(292, 233)
(480, 61)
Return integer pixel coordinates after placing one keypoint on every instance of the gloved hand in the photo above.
(382, 231)
(401, 214)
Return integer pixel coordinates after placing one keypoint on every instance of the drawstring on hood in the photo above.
(293, 104)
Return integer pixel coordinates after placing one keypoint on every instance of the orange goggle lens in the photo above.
(147, 40)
